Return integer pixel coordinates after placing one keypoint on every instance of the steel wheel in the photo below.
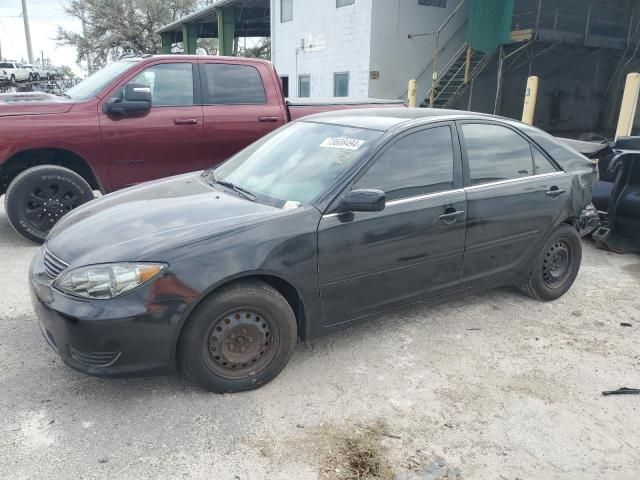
(240, 343)
(556, 265)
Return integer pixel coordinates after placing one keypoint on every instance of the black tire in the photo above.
(38, 197)
(13, 79)
(30, 79)
(247, 315)
(556, 267)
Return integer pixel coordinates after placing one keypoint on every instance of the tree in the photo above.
(262, 49)
(114, 27)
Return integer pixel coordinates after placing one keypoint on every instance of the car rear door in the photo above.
(165, 141)
(515, 193)
(413, 249)
(240, 105)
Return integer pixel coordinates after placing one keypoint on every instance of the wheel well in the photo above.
(46, 156)
(283, 287)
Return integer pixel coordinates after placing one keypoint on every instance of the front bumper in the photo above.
(135, 334)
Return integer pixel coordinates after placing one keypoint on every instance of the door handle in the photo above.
(185, 121)
(268, 119)
(450, 217)
(555, 191)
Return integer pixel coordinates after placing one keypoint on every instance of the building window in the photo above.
(284, 81)
(341, 84)
(286, 10)
(344, 3)
(304, 85)
(433, 3)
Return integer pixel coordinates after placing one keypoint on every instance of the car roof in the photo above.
(386, 118)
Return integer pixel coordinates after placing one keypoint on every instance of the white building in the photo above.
(359, 48)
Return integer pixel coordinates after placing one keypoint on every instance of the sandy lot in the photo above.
(494, 386)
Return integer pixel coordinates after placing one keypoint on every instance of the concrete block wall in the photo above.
(336, 40)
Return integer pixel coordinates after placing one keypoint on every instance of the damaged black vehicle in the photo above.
(326, 222)
(617, 193)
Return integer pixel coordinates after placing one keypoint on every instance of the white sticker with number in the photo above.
(342, 142)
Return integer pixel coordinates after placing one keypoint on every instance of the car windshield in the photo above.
(293, 165)
(91, 86)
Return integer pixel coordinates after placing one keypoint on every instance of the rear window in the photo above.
(225, 84)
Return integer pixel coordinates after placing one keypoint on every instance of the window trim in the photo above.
(335, 74)
(465, 158)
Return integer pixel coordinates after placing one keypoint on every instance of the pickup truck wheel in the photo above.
(38, 197)
(556, 267)
(13, 79)
(238, 339)
(30, 78)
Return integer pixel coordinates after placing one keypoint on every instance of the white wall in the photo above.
(398, 58)
(337, 39)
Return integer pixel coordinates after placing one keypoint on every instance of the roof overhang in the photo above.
(252, 19)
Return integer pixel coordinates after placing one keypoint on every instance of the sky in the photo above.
(45, 16)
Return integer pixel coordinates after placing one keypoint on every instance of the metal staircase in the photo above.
(456, 76)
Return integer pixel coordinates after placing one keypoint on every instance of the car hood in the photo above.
(137, 223)
(33, 103)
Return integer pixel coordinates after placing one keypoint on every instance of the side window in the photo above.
(418, 164)
(171, 84)
(225, 84)
(540, 163)
(496, 153)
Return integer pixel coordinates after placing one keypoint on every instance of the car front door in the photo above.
(165, 141)
(238, 107)
(413, 249)
(514, 194)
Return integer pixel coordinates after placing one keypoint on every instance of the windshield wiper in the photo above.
(232, 186)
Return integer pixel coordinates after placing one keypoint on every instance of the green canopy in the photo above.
(489, 24)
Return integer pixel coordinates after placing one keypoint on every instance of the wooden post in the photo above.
(629, 105)
(413, 91)
(530, 99)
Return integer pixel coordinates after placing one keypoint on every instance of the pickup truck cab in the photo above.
(14, 72)
(137, 119)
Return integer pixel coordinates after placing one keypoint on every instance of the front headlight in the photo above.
(106, 280)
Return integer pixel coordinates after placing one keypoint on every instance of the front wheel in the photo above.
(239, 338)
(556, 267)
(38, 197)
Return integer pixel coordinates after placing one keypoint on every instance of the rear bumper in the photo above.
(114, 338)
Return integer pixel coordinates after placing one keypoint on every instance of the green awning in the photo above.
(489, 24)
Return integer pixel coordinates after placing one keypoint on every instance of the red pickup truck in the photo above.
(138, 119)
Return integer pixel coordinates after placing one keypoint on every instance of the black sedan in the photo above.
(326, 222)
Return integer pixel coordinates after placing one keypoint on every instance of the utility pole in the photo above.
(27, 32)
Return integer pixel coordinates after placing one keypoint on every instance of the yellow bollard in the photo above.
(629, 104)
(530, 99)
(413, 93)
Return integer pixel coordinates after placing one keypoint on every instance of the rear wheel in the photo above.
(38, 197)
(239, 338)
(13, 79)
(556, 267)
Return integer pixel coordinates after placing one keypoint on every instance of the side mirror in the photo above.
(134, 99)
(363, 200)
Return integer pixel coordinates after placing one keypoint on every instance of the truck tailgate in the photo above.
(301, 107)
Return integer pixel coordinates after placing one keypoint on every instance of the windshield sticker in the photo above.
(290, 204)
(342, 142)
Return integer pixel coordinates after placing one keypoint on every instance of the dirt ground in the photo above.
(491, 386)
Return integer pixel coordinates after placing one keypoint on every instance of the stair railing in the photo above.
(436, 57)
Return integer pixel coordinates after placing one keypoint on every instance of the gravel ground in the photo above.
(494, 386)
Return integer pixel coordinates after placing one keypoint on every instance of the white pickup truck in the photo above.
(15, 72)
